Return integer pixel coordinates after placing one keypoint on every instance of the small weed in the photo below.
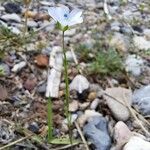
(83, 52)
(106, 63)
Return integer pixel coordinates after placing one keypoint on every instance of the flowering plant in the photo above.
(65, 19)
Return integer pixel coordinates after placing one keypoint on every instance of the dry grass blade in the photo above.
(15, 142)
(82, 137)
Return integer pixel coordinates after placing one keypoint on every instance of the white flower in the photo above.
(66, 17)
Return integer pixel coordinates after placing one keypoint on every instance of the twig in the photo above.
(65, 147)
(15, 142)
(82, 137)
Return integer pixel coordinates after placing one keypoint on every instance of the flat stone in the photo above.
(11, 17)
(122, 95)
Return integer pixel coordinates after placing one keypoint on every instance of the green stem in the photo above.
(50, 120)
(67, 95)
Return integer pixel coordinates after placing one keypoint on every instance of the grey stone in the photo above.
(141, 98)
(11, 17)
(96, 131)
(41, 88)
(5, 68)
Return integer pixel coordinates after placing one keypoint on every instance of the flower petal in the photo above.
(73, 22)
(57, 13)
(75, 14)
(53, 14)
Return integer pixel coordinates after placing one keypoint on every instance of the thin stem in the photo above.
(50, 120)
(67, 95)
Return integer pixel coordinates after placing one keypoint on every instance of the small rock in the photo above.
(84, 105)
(42, 60)
(41, 88)
(11, 17)
(34, 127)
(73, 106)
(120, 42)
(141, 98)
(12, 8)
(141, 43)
(92, 96)
(137, 143)
(30, 83)
(32, 24)
(79, 83)
(96, 129)
(88, 113)
(14, 30)
(122, 134)
(123, 95)
(94, 104)
(5, 69)
(134, 64)
(19, 66)
(3, 93)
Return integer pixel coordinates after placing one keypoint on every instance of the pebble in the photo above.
(88, 113)
(14, 30)
(92, 96)
(141, 43)
(83, 106)
(141, 98)
(19, 66)
(122, 134)
(11, 17)
(32, 24)
(122, 95)
(137, 143)
(12, 8)
(134, 65)
(5, 68)
(30, 83)
(34, 127)
(73, 106)
(79, 83)
(41, 88)
(96, 131)
(94, 104)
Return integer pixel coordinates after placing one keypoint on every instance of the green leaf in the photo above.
(63, 141)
